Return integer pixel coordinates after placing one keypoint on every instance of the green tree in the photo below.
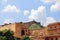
(1, 33)
(3, 38)
(7, 35)
(25, 37)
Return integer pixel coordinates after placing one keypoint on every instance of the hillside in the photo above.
(35, 26)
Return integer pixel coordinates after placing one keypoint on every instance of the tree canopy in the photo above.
(7, 35)
(25, 37)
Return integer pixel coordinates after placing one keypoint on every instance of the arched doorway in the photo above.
(22, 32)
(56, 39)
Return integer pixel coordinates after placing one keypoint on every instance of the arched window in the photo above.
(55, 26)
(50, 27)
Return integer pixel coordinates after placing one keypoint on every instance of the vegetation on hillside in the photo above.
(35, 26)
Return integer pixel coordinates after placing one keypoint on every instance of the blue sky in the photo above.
(43, 11)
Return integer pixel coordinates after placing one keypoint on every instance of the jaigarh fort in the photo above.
(50, 32)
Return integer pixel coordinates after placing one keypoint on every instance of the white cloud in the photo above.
(7, 21)
(38, 15)
(56, 6)
(4, 0)
(49, 20)
(47, 1)
(26, 12)
(11, 8)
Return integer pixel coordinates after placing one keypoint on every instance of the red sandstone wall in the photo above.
(18, 29)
